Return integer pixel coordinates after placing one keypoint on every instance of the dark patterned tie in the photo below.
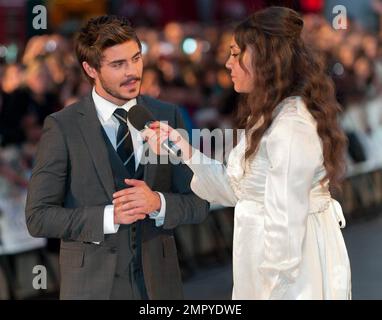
(125, 147)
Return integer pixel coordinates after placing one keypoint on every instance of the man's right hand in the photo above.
(121, 215)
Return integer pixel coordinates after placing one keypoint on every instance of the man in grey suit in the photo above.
(115, 216)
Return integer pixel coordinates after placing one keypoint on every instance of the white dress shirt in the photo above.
(110, 124)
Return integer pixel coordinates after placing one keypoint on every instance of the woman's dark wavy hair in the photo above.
(284, 66)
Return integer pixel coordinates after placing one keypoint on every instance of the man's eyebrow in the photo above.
(137, 54)
(124, 60)
(117, 61)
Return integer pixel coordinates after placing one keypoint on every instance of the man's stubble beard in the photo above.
(115, 94)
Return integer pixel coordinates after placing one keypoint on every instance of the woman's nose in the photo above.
(228, 64)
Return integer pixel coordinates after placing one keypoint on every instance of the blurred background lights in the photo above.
(338, 69)
(189, 45)
(3, 51)
(144, 48)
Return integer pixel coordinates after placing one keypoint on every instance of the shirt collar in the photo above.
(105, 108)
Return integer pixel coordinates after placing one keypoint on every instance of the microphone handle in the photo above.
(168, 145)
(172, 148)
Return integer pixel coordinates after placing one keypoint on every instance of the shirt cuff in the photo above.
(197, 160)
(195, 157)
(108, 221)
(159, 215)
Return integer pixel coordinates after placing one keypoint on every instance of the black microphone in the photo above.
(141, 118)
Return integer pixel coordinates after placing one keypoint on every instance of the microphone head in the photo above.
(139, 116)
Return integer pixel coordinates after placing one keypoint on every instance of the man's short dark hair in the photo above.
(99, 34)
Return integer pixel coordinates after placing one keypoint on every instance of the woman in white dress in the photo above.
(287, 238)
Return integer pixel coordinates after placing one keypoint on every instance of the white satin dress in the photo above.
(287, 238)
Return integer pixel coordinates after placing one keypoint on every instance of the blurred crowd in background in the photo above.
(184, 64)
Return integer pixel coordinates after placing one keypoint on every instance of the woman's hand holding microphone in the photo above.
(157, 133)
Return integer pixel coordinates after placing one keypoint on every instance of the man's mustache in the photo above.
(131, 78)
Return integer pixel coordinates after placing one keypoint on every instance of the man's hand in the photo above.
(134, 203)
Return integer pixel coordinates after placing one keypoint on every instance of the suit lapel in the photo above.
(91, 131)
(150, 170)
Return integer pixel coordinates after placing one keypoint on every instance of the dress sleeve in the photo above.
(210, 181)
(294, 152)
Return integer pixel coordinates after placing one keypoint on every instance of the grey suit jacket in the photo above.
(72, 182)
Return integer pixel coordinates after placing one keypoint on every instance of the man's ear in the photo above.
(90, 71)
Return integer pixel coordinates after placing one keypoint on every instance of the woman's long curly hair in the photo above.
(284, 66)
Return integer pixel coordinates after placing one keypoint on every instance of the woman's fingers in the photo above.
(154, 125)
(162, 125)
(145, 134)
(154, 138)
(157, 133)
(168, 131)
